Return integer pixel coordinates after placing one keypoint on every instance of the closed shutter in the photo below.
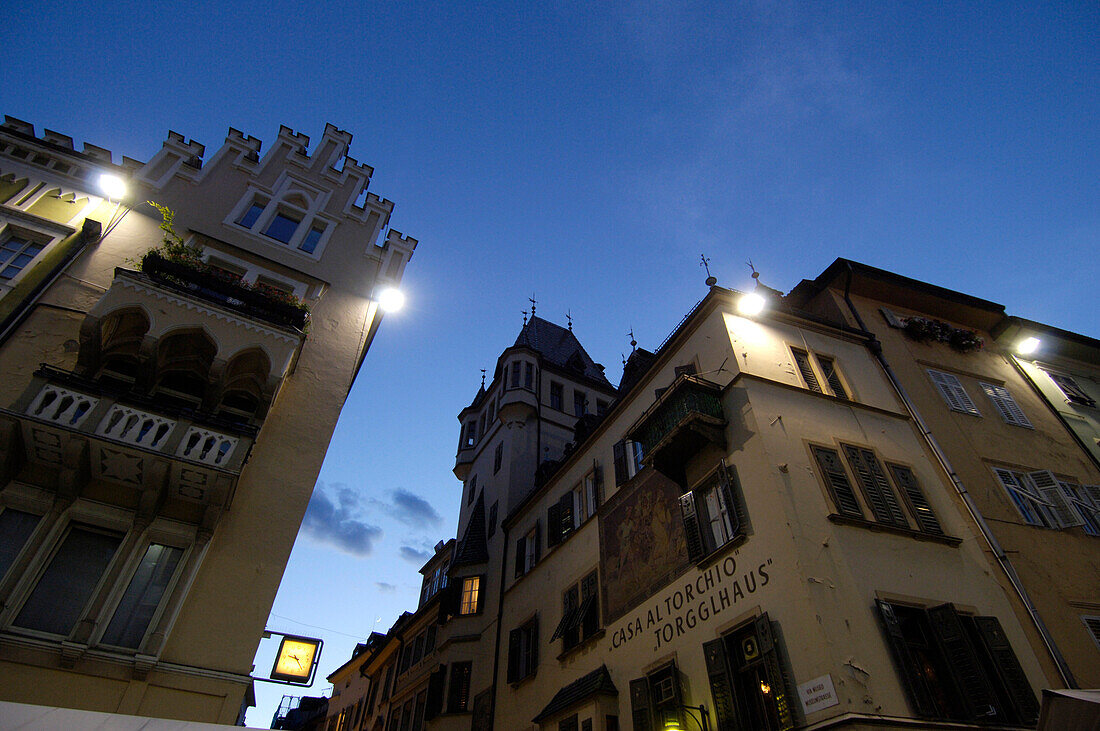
(589, 616)
(620, 463)
(731, 491)
(918, 504)
(597, 492)
(435, 692)
(974, 691)
(692, 534)
(720, 689)
(802, 360)
(1092, 624)
(1051, 490)
(538, 542)
(833, 471)
(1008, 668)
(532, 646)
(953, 393)
(429, 639)
(521, 551)
(515, 646)
(553, 518)
(832, 377)
(568, 615)
(880, 496)
(565, 517)
(1006, 406)
(639, 704)
(913, 680)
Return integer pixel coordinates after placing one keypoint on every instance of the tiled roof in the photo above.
(596, 682)
(472, 549)
(560, 347)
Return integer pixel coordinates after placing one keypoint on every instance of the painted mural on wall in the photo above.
(642, 541)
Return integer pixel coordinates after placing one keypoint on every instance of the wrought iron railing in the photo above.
(688, 396)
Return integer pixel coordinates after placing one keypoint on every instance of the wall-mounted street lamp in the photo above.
(112, 186)
(751, 304)
(391, 299)
(1027, 346)
(703, 721)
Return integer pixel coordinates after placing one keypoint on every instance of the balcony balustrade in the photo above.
(684, 419)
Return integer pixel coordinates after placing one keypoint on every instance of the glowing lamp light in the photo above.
(112, 185)
(391, 299)
(765, 688)
(1027, 346)
(751, 304)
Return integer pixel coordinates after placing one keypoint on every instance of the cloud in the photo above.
(383, 586)
(413, 510)
(414, 556)
(333, 518)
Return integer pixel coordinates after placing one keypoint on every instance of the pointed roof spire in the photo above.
(482, 379)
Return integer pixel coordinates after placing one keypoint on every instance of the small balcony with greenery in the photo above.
(686, 417)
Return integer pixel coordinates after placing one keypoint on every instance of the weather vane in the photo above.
(525, 318)
(633, 342)
(531, 299)
(569, 319)
(482, 378)
(705, 263)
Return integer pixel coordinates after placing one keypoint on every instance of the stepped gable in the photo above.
(560, 347)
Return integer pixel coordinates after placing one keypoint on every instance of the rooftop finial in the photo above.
(633, 342)
(525, 318)
(624, 358)
(483, 379)
(531, 299)
(755, 274)
(705, 263)
(569, 319)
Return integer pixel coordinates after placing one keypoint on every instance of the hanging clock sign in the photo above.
(297, 660)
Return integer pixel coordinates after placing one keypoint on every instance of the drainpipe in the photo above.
(875, 347)
(500, 615)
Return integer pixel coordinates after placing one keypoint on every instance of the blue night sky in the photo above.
(588, 159)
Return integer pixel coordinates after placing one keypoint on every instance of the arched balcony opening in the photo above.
(183, 367)
(246, 376)
(120, 337)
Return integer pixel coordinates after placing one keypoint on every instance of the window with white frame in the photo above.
(527, 551)
(1038, 497)
(285, 219)
(712, 512)
(16, 527)
(17, 251)
(574, 507)
(134, 613)
(953, 393)
(470, 598)
(628, 460)
(1071, 389)
(1006, 406)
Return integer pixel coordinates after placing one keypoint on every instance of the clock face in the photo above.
(295, 660)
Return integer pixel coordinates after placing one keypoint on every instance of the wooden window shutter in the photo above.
(720, 689)
(565, 521)
(953, 392)
(533, 645)
(515, 643)
(1006, 406)
(1073, 392)
(731, 492)
(553, 518)
(916, 688)
(639, 704)
(777, 678)
(802, 360)
(597, 476)
(693, 535)
(521, 546)
(832, 377)
(880, 496)
(837, 479)
(918, 503)
(1051, 490)
(435, 692)
(620, 463)
(538, 542)
(1008, 668)
(974, 690)
(568, 615)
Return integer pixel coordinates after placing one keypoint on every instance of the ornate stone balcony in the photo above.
(74, 437)
(684, 419)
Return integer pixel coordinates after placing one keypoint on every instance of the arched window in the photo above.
(245, 376)
(183, 366)
(120, 336)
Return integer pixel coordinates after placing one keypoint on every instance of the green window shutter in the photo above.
(435, 692)
(553, 518)
(620, 463)
(521, 546)
(913, 681)
(639, 704)
(802, 360)
(973, 688)
(731, 489)
(692, 533)
(1006, 406)
(837, 479)
(514, 647)
(597, 475)
(1051, 490)
(721, 690)
(880, 496)
(918, 504)
(953, 393)
(1008, 668)
(565, 513)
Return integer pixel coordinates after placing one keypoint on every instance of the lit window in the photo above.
(471, 595)
(15, 254)
(282, 227)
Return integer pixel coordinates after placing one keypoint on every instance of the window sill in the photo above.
(883, 528)
(583, 644)
(517, 683)
(736, 542)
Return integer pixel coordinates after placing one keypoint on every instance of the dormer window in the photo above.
(285, 218)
